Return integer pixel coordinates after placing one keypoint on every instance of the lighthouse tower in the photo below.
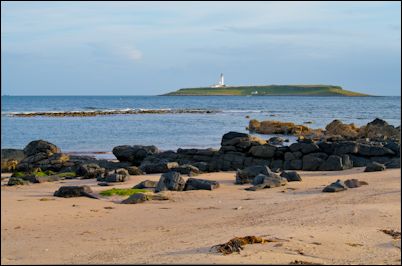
(221, 82)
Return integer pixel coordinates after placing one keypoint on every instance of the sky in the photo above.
(150, 48)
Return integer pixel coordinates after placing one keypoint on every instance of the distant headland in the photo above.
(264, 90)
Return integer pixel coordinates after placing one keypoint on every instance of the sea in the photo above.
(99, 134)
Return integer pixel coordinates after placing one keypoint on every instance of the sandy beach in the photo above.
(309, 225)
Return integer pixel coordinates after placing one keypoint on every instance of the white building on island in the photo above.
(221, 82)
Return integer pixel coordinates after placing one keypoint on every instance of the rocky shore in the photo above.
(238, 151)
(114, 112)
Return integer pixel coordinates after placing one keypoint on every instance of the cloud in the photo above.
(129, 52)
(279, 31)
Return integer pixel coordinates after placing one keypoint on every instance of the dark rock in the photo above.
(146, 184)
(16, 181)
(374, 167)
(288, 156)
(293, 165)
(114, 178)
(134, 170)
(198, 184)
(333, 163)
(359, 161)
(326, 147)
(291, 176)
(247, 174)
(381, 159)
(136, 198)
(202, 166)
(74, 191)
(371, 150)
(231, 135)
(268, 182)
(295, 147)
(161, 167)
(88, 171)
(353, 183)
(394, 163)
(309, 148)
(335, 187)
(393, 146)
(345, 147)
(263, 151)
(187, 169)
(40, 146)
(134, 154)
(276, 165)
(313, 161)
(170, 181)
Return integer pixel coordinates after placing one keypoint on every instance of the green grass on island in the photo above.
(122, 191)
(272, 90)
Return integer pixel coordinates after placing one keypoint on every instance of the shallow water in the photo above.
(171, 131)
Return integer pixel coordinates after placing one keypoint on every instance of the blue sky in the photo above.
(148, 48)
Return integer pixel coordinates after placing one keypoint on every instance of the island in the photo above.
(266, 90)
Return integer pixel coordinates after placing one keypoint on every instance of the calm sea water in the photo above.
(171, 131)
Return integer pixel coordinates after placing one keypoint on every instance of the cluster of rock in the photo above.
(261, 177)
(240, 150)
(115, 112)
(170, 181)
(378, 130)
(237, 151)
(340, 185)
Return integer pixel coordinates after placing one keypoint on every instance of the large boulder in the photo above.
(134, 170)
(379, 129)
(186, 169)
(374, 150)
(336, 163)
(160, 167)
(336, 127)
(393, 163)
(354, 183)
(200, 184)
(276, 127)
(270, 181)
(40, 146)
(291, 176)
(263, 151)
(374, 167)
(345, 147)
(170, 181)
(88, 171)
(134, 154)
(74, 191)
(249, 173)
(309, 148)
(335, 187)
(313, 161)
(296, 164)
(235, 141)
(10, 158)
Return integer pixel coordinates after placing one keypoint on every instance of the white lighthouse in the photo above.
(221, 82)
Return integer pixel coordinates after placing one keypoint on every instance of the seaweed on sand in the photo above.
(236, 244)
